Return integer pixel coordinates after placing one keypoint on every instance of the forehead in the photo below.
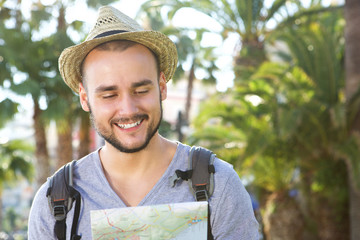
(118, 45)
(119, 62)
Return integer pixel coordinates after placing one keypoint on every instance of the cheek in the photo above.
(154, 102)
(101, 110)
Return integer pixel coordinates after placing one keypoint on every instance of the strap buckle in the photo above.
(201, 195)
(59, 212)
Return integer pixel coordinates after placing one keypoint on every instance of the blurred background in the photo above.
(271, 86)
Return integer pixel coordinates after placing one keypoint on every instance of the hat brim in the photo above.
(71, 58)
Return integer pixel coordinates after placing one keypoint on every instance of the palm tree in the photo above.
(20, 39)
(317, 129)
(250, 127)
(61, 101)
(298, 124)
(341, 143)
(249, 19)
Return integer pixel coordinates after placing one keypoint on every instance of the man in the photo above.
(120, 73)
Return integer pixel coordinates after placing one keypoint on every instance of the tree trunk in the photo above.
(41, 152)
(1, 208)
(331, 223)
(283, 218)
(251, 55)
(326, 211)
(61, 19)
(189, 93)
(18, 16)
(64, 145)
(352, 69)
(354, 208)
(84, 136)
(352, 51)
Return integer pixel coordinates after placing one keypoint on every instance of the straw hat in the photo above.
(114, 25)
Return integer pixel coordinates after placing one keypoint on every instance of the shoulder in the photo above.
(227, 181)
(222, 168)
(182, 151)
(87, 166)
(41, 222)
(233, 216)
(88, 160)
(225, 177)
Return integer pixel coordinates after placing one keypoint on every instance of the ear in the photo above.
(83, 98)
(163, 86)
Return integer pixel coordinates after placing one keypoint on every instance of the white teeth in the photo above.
(127, 126)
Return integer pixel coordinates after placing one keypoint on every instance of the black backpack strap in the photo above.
(200, 173)
(209, 234)
(61, 196)
(200, 176)
(201, 163)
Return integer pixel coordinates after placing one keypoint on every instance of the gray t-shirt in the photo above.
(232, 215)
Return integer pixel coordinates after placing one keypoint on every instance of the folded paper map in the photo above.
(179, 221)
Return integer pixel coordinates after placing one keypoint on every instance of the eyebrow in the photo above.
(107, 88)
(142, 83)
(103, 88)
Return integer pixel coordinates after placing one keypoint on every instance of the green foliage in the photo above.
(8, 109)
(165, 129)
(214, 132)
(255, 122)
(39, 13)
(287, 122)
(11, 218)
(98, 3)
(37, 60)
(15, 161)
(325, 182)
(14, 222)
(187, 41)
(4, 69)
(348, 150)
(232, 17)
(316, 50)
(26, 56)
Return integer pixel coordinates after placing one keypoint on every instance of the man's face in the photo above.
(123, 95)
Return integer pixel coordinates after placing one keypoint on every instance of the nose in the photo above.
(127, 106)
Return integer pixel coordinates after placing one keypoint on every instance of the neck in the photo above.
(159, 152)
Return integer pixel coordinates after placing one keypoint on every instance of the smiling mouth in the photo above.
(128, 125)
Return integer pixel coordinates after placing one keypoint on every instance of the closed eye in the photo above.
(108, 96)
(142, 91)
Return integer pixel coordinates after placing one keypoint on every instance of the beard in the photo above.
(109, 135)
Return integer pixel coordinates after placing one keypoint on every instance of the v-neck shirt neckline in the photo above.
(164, 179)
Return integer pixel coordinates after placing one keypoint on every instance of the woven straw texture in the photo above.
(111, 19)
